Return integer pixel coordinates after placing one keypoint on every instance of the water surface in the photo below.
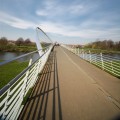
(10, 55)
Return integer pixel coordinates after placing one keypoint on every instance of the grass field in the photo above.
(113, 69)
(101, 51)
(18, 48)
(10, 70)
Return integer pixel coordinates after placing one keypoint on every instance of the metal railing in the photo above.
(105, 62)
(13, 94)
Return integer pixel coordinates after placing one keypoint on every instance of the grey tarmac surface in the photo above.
(70, 88)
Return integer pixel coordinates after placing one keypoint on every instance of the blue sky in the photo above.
(65, 21)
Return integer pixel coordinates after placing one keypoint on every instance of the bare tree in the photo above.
(19, 41)
(110, 44)
(27, 41)
(3, 41)
(106, 45)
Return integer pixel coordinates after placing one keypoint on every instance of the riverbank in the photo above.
(15, 48)
(10, 70)
(101, 51)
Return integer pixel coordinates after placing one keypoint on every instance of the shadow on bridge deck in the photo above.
(81, 92)
(44, 102)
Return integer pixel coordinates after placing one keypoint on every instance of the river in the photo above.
(10, 55)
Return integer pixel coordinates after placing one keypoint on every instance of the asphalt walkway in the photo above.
(70, 88)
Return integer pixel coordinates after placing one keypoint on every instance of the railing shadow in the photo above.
(46, 89)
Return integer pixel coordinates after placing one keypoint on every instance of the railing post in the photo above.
(102, 61)
(79, 51)
(26, 79)
(39, 65)
(36, 70)
(89, 56)
(112, 67)
(6, 104)
(76, 51)
(95, 59)
(83, 53)
(73, 50)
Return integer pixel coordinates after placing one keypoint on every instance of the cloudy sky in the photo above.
(65, 21)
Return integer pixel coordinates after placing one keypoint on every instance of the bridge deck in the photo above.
(72, 89)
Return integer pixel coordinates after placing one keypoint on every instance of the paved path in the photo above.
(70, 88)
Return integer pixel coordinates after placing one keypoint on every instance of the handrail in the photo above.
(18, 76)
(24, 55)
(12, 94)
(106, 62)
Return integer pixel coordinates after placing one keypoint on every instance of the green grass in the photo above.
(115, 64)
(10, 70)
(26, 48)
(17, 48)
(103, 51)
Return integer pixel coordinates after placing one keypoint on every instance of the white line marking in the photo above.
(93, 81)
(106, 94)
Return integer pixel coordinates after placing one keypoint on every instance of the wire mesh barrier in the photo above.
(13, 94)
(105, 62)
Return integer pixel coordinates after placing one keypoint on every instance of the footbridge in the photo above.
(63, 84)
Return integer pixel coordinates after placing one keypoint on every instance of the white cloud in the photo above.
(52, 8)
(15, 22)
(42, 12)
(73, 31)
(49, 4)
(76, 9)
(62, 28)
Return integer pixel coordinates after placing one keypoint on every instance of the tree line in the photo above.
(19, 42)
(19, 45)
(105, 45)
